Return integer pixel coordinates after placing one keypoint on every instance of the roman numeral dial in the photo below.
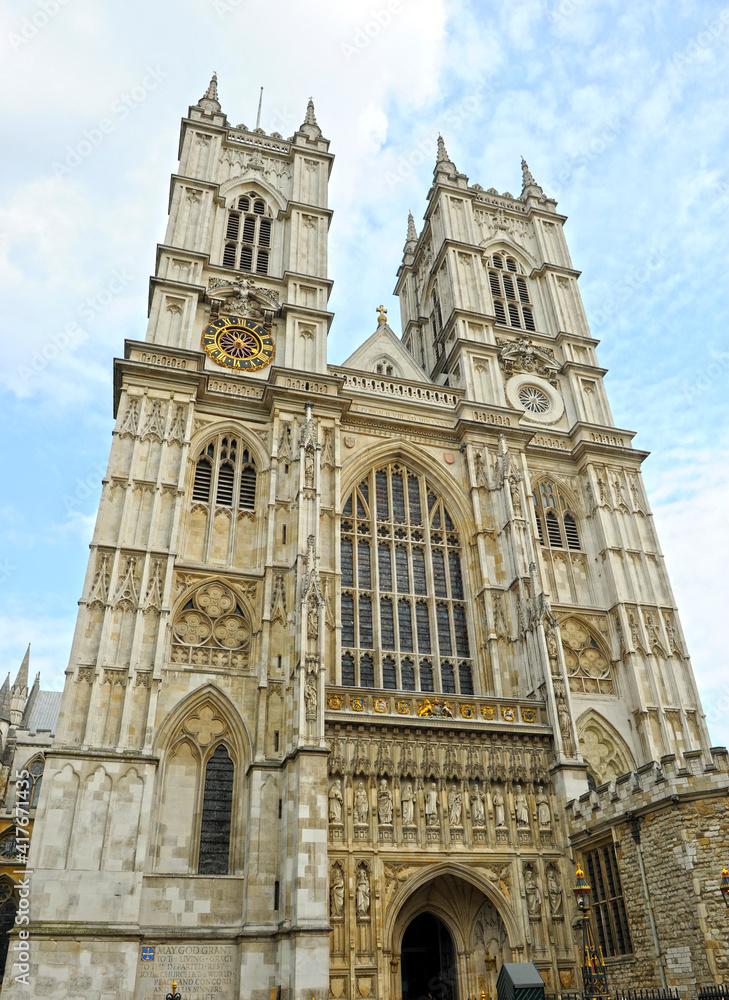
(238, 344)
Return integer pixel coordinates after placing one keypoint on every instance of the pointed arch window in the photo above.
(556, 523)
(510, 292)
(35, 770)
(214, 850)
(248, 235)
(225, 471)
(403, 612)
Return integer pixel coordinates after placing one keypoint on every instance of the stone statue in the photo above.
(544, 815)
(478, 815)
(499, 809)
(335, 801)
(431, 805)
(521, 807)
(336, 892)
(384, 804)
(406, 798)
(554, 891)
(312, 623)
(455, 806)
(363, 893)
(533, 895)
(310, 697)
(361, 805)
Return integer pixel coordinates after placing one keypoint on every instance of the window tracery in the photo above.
(510, 292)
(214, 849)
(211, 630)
(248, 235)
(404, 622)
(556, 523)
(226, 472)
(588, 668)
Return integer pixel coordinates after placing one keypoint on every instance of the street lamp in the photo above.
(724, 885)
(174, 995)
(594, 979)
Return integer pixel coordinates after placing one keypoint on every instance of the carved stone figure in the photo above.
(335, 801)
(312, 625)
(544, 814)
(384, 804)
(533, 895)
(431, 805)
(499, 809)
(363, 893)
(336, 892)
(478, 813)
(310, 697)
(406, 799)
(361, 805)
(521, 807)
(455, 806)
(554, 891)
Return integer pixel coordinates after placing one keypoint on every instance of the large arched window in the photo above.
(214, 850)
(556, 523)
(8, 909)
(248, 235)
(510, 292)
(227, 472)
(404, 622)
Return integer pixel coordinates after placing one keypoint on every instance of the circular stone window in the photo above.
(537, 399)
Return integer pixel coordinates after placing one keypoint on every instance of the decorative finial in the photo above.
(412, 233)
(382, 318)
(212, 92)
(310, 116)
(174, 995)
(442, 156)
(310, 126)
(527, 179)
(209, 101)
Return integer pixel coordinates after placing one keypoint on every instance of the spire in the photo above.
(442, 156)
(209, 101)
(412, 236)
(22, 678)
(310, 126)
(528, 185)
(443, 162)
(19, 691)
(5, 700)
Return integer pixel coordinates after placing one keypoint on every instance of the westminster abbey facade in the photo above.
(369, 655)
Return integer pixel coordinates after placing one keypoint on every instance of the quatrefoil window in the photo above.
(211, 629)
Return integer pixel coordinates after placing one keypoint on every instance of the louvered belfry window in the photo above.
(248, 235)
(225, 472)
(404, 618)
(213, 855)
(556, 524)
(510, 293)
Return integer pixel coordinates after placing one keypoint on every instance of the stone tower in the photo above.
(366, 653)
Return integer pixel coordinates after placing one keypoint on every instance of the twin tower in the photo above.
(367, 654)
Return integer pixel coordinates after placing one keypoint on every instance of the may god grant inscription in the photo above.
(202, 971)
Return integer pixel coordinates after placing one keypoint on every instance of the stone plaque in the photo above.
(202, 971)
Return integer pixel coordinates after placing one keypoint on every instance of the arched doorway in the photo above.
(428, 960)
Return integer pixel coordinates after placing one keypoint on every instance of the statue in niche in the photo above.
(312, 626)
(309, 467)
(363, 893)
(310, 697)
(521, 807)
(406, 798)
(533, 895)
(431, 805)
(336, 892)
(384, 804)
(554, 891)
(478, 813)
(455, 806)
(335, 801)
(361, 805)
(515, 495)
(565, 724)
(544, 815)
(499, 809)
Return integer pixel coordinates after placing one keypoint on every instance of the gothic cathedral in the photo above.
(369, 656)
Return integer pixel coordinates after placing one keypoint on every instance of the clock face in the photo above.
(238, 344)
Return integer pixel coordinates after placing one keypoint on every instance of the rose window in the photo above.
(533, 399)
(588, 668)
(211, 630)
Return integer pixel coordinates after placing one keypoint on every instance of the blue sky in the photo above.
(620, 110)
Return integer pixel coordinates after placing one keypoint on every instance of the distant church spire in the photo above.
(209, 101)
(5, 700)
(19, 691)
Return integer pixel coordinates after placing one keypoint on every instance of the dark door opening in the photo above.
(428, 961)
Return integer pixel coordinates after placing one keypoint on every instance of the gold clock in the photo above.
(239, 344)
